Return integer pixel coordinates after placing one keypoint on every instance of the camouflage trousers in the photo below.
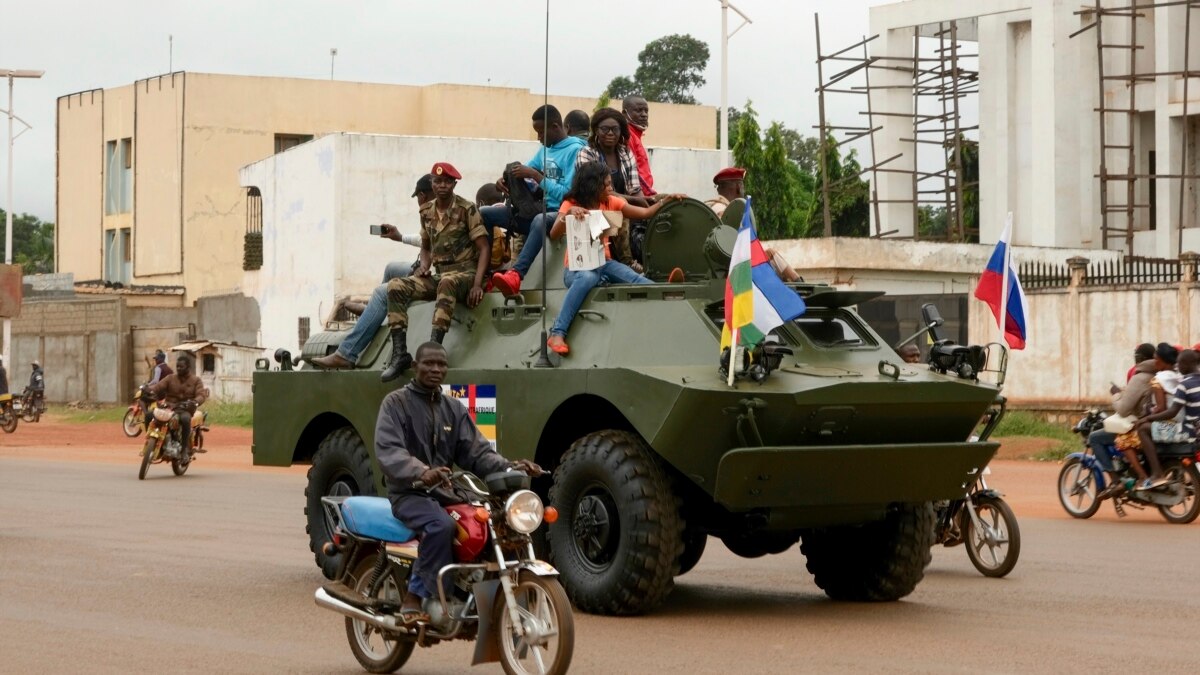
(447, 289)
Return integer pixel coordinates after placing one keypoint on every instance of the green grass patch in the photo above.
(224, 414)
(1018, 423)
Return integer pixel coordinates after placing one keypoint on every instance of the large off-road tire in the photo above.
(376, 651)
(340, 467)
(548, 642)
(131, 424)
(619, 535)
(1187, 510)
(876, 562)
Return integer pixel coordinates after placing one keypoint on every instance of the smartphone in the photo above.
(377, 230)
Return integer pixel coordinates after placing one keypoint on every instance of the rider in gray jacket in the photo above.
(420, 433)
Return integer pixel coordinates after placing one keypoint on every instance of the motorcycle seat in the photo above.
(372, 517)
(1174, 449)
(4, 398)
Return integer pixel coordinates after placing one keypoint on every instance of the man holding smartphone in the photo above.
(375, 311)
(454, 241)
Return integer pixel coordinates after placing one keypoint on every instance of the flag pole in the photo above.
(733, 350)
(1004, 279)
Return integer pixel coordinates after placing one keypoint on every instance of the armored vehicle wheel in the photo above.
(758, 544)
(879, 561)
(341, 467)
(619, 536)
(693, 547)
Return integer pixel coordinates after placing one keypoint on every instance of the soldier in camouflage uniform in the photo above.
(454, 241)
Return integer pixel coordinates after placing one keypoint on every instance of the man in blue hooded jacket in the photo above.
(552, 169)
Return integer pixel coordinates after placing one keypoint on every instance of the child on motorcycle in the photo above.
(1186, 398)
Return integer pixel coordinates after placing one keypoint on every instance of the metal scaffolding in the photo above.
(1118, 118)
(940, 83)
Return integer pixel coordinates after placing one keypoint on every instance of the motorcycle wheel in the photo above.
(375, 651)
(10, 423)
(147, 456)
(993, 556)
(131, 424)
(1186, 511)
(545, 613)
(1077, 490)
(180, 467)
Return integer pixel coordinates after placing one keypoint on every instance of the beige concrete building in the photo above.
(148, 191)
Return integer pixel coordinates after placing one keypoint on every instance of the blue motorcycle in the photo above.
(1083, 484)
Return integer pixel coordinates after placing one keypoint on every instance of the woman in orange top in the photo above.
(592, 190)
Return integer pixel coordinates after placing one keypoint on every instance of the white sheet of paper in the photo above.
(597, 223)
(584, 252)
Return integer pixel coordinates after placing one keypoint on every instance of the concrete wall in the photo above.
(195, 130)
(229, 318)
(76, 341)
(318, 200)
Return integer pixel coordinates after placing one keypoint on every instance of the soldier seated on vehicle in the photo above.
(731, 184)
(419, 435)
(1160, 426)
(454, 240)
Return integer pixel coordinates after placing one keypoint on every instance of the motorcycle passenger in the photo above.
(1142, 352)
(1128, 401)
(37, 384)
(161, 370)
(420, 433)
(1186, 398)
(183, 391)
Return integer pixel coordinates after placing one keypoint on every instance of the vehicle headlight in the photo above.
(523, 511)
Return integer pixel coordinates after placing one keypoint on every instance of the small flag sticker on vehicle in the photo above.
(480, 400)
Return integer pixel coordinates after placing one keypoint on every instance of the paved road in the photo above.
(211, 573)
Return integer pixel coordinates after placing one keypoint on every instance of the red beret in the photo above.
(445, 169)
(731, 173)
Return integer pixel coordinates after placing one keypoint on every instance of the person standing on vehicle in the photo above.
(375, 312)
(37, 384)
(420, 433)
(183, 391)
(454, 241)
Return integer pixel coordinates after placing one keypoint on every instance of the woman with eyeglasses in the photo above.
(609, 145)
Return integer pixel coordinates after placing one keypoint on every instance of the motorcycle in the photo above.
(1083, 484)
(981, 519)
(163, 442)
(500, 595)
(8, 414)
(30, 411)
(134, 422)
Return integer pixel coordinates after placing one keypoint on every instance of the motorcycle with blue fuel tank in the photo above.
(495, 592)
(1083, 483)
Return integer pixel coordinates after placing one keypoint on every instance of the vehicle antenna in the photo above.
(543, 357)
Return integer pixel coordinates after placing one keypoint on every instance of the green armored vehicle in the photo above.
(838, 445)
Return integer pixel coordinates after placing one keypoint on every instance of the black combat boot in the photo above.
(401, 360)
(438, 335)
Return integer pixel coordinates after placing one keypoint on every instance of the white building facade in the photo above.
(1039, 127)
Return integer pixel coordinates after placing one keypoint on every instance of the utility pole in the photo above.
(170, 53)
(725, 35)
(8, 210)
(332, 56)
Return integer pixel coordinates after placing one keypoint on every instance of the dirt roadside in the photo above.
(1028, 486)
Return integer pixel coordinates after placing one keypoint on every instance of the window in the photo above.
(118, 265)
(252, 248)
(832, 329)
(208, 363)
(286, 141)
(118, 176)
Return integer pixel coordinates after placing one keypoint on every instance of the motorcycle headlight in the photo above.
(523, 511)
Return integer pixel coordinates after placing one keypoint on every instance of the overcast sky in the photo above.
(89, 45)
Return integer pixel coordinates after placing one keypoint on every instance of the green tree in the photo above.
(781, 198)
(803, 150)
(849, 197)
(670, 69)
(33, 243)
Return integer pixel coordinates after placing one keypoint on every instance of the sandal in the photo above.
(412, 615)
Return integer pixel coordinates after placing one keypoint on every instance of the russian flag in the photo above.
(756, 300)
(1000, 288)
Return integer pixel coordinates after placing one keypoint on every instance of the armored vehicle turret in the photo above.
(827, 439)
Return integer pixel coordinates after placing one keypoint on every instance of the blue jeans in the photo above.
(1099, 441)
(580, 283)
(373, 316)
(534, 231)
